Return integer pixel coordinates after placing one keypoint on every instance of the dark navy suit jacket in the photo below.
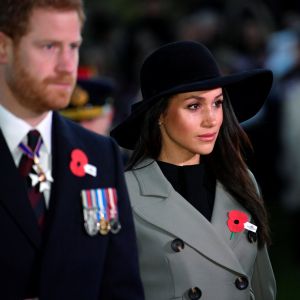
(67, 262)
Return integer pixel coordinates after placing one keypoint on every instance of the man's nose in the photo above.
(67, 61)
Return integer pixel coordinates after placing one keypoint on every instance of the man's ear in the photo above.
(5, 43)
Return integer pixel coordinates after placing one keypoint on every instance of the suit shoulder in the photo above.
(85, 134)
(74, 136)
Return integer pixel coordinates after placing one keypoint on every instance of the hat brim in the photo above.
(247, 92)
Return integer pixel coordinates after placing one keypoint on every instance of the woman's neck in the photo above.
(179, 161)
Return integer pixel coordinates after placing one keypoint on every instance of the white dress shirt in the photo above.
(15, 131)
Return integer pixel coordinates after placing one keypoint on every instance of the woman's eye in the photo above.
(218, 103)
(193, 106)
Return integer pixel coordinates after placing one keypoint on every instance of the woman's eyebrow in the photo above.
(200, 98)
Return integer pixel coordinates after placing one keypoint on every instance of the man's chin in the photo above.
(59, 101)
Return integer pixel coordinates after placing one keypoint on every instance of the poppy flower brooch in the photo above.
(79, 165)
(238, 221)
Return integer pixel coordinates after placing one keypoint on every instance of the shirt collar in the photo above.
(15, 129)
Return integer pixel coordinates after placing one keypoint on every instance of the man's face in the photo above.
(41, 72)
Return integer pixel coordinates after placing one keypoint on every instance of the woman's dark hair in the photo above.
(149, 143)
(226, 162)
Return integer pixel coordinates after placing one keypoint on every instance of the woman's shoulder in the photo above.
(139, 169)
(129, 176)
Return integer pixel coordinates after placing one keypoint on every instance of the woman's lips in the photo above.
(207, 137)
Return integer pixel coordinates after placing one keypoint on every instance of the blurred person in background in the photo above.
(152, 27)
(92, 104)
(287, 99)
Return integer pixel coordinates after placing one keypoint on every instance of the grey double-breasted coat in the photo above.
(207, 264)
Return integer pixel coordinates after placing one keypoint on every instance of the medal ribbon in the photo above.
(32, 154)
(113, 210)
(102, 203)
(85, 205)
(112, 197)
(40, 177)
(89, 212)
(96, 200)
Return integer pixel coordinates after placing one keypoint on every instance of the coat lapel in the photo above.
(224, 203)
(169, 211)
(14, 197)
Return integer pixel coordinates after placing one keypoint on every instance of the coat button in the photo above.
(177, 245)
(252, 237)
(241, 283)
(194, 293)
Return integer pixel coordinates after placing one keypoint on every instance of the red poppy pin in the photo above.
(236, 221)
(79, 165)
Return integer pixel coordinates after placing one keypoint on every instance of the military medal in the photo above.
(91, 223)
(104, 227)
(100, 211)
(115, 226)
(41, 177)
(112, 202)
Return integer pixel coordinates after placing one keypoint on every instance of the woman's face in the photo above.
(190, 126)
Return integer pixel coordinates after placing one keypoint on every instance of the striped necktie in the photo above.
(36, 198)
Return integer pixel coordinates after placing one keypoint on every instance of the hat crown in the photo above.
(188, 66)
(176, 64)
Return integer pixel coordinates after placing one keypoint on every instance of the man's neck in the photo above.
(29, 117)
(8, 101)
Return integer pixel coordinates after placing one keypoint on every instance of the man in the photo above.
(66, 227)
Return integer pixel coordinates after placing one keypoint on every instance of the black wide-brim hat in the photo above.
(187, 66)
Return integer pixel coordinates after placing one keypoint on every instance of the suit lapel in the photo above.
(14, 197)
(169, 211)
(65, 188)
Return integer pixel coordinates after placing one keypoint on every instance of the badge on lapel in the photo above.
(79, 164)
(100, 211)
(238, 221)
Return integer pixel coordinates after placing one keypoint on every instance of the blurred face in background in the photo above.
(190, 126)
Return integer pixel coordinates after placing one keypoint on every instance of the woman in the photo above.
(195, 203)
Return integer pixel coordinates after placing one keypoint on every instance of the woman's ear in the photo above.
(5, 43)
(160, 120)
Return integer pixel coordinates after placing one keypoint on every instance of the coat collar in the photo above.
(169, 211)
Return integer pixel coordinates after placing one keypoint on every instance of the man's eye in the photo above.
(48, 46)
(75, 46)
